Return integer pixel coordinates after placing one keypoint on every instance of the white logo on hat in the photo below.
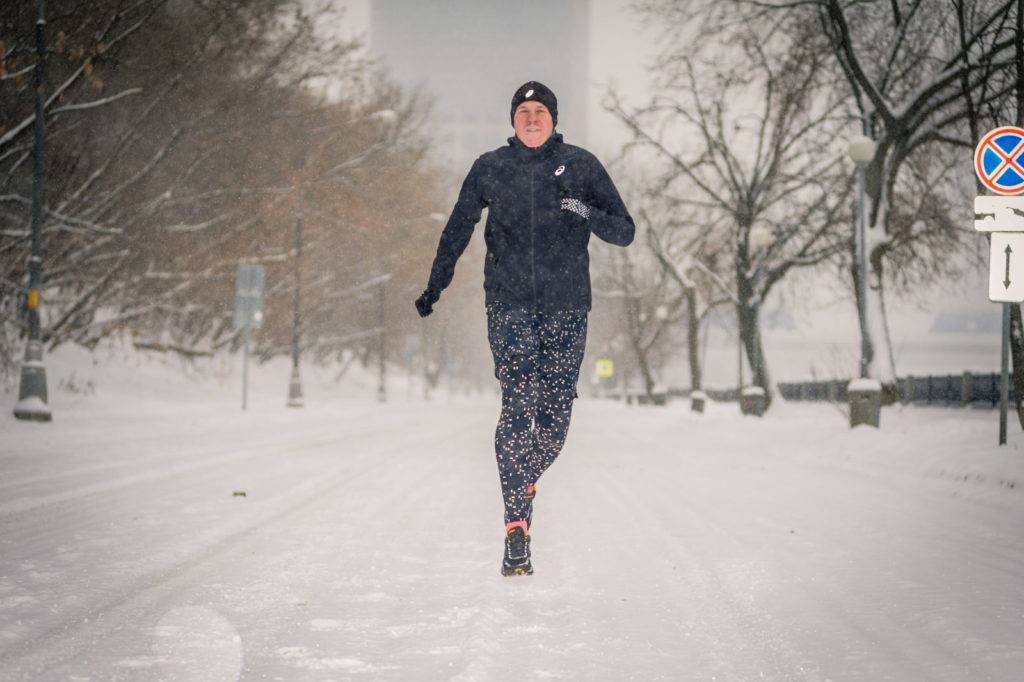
(559, 170)
(529, 93)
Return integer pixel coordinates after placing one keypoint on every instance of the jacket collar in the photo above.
(525, 153)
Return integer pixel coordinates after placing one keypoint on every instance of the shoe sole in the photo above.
(511, 571)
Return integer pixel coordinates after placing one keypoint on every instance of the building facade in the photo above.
(467, 57)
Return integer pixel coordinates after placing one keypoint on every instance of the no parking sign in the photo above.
(999, 163)
(999, 160)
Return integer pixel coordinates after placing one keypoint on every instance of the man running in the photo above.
(544, 199)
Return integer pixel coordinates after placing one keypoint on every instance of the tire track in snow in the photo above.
(18, 506)
(399, 553)
(876, 630)
(67, 640)
(729, 626)
(104, 467)
(69, 519)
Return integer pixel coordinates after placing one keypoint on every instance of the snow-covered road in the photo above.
(667, 545)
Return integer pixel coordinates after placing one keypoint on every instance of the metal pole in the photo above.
(32, 395)
(862, 273)
(295, 384)
(245, 365)
(1004, 381)
(295, 302)
(739, 348)
(381, 393)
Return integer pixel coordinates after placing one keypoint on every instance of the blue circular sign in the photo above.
(999, 160)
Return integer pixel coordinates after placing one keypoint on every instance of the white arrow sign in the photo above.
(1006, 268)
(999, 214)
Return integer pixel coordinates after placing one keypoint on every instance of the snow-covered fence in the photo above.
(965, 389)
(969, 388)
(639, 396)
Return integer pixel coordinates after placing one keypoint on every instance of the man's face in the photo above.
(533, 123)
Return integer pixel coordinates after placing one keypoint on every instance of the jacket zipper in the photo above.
(533, 245)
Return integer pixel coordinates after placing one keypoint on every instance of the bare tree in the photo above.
(652, 306)
(782, 193)
(912, 81)
(918, 72)
(184, 138)
(692, 259)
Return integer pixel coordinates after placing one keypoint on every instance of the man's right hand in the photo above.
(425, 303)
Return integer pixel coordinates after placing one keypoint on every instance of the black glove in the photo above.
(425, 303)
(576, 206)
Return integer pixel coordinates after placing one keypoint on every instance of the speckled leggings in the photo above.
(537, 360)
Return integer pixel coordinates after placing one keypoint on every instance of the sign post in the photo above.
(999, 164)
(248, 313)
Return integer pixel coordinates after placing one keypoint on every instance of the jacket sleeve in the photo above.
(459, 229)
(609, 218)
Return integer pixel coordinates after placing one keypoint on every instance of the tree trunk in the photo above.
(636, 332)
(645, 370)
(693, 340)
(750, 334)
(875, 240)
(875, 310)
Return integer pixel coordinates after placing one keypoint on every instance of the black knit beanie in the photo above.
(537, 92)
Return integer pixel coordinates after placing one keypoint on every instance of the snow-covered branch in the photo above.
(82, 106)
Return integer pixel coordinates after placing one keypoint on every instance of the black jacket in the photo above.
(536, 251)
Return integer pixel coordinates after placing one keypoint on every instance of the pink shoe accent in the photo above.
(516, 524)
(531, 489)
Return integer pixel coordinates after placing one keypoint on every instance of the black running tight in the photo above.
(537, 360)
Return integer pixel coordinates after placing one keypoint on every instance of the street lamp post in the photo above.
(861, 151)
(32, 395)
(864, 396)
(295, 384)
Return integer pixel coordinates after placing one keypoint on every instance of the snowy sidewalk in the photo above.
(667, 545)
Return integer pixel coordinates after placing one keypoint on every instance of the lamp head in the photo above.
(861, 149)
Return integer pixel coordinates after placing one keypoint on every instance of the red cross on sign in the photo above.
(999, 160)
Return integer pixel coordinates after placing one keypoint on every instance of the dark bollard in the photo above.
(753, 401)
(865, 397)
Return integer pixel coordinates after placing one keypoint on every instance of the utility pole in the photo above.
(32, 396)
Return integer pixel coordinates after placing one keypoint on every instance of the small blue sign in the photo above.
(249, 295)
